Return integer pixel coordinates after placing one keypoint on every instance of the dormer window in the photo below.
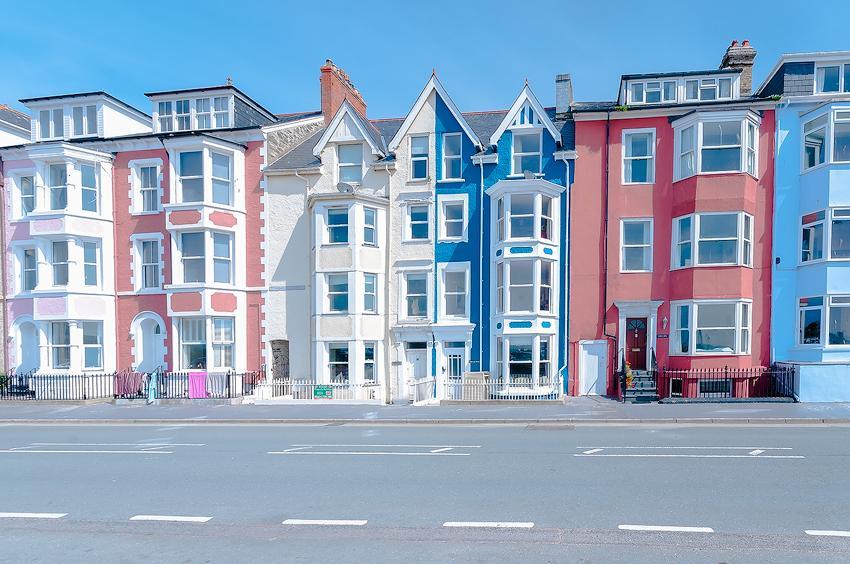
(84, 120)
(419, 157)
(832, 78)
(652, 92)
(51, 124)
(708, 89)
(203, 117)
(350, 163)
(186, 114)
(222, 111)
(526, 152)
(164, 110)
(182, 112)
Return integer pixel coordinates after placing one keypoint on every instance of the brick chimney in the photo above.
(741, 56)
(563, 95)
(336, 87)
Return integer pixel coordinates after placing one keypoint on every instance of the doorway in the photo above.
(593, 368)
(636, 342)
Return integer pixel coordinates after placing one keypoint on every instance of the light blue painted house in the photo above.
(811, 270)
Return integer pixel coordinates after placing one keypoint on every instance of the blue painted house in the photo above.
(811, 270)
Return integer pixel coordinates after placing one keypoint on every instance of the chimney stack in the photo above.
(741, 56)
(563, 95)
(336, 87)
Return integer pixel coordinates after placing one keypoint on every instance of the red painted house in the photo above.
(670, 228)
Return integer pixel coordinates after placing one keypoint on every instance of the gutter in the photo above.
(5, 329)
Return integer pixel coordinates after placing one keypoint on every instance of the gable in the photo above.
(526, 111)
(347, 125)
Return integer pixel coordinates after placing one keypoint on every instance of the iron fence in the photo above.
(727, 383)
(128, 384)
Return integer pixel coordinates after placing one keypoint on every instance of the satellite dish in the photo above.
(345, 187)
(528, 175)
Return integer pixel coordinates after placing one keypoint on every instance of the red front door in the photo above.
(636, 342)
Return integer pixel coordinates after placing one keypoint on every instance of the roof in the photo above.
(295, 116)
(83, 95)
(683, 73)
(14, 117)
(217, 87)
(589, 107)
(811, 56)
(301, 156)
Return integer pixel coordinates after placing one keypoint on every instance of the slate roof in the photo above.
(483, 124)
(84, 94)
(14, 117)
(683, 73)
(287, 118)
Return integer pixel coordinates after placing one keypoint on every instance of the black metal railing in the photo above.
(129, 384)
(726, 383)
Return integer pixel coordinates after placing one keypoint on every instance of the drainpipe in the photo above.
(605, 245)
(309, 277)
(481, 265)
(387, 271)
(566, 359)
(5, 264)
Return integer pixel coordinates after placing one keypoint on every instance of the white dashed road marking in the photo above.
(490, 524)
(665, 528)
(327, 522)
(816, 533)
(171, 518)
(31, 515)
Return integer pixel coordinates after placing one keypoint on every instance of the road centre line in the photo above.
(592, 451)
(756, 452)
(327, 522)
(444, 449)
(370, 453)
(688, 447)
(121, 444)
(171, 518)
(817, 533)
(778, 456)
(665, 528)
(86, 451)
(489, 524)
(389, 446)
(6, 515)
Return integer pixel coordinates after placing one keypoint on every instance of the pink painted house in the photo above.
(670, 259)
(135, 240)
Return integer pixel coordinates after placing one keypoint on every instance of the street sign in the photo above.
(323, 392)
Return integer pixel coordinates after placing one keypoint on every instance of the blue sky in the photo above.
(482, 51)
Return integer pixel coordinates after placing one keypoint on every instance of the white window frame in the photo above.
(181, 177)
(408, 221)
(203, 111)
(454, 200)
(228, 260)
(58, 189)
(527, 131)
(66, 263)
(827, 140)
(623, 246)
(139, 191)
(52, 115)
(221, 117)
(820, 308)
(370, 278)
(349, 164)
(808, 222)
(334, 363)
(832, 301)
(221, 344)
(88, 264)
(220, 179)
(328, 239)
(415, 159)
(648, 86)
(155, 265)
(406, 295)
(85, 121)
(533, 285)
(24, 269)
(742, 328)
(843, 87)
(97, 346)
(748, 147)
(650, 158)
(54, 347)
(201, 258)
(96, 188)
(370, 228)
(453, 268)
(447, 158)
(742, 239)
(330, 279)
(370, 362)
(181, 117)
(201, 322)
(18, 183)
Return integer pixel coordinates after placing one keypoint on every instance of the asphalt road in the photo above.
(248, 493)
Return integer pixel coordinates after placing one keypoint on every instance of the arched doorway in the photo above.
(29, 357)
(148, 342)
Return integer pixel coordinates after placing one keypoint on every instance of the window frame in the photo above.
(21, 196)
(333, 279)
(340, 165)
(85, 121)
(331, 227)
(54, 347)
(821, 308)
(447, 157)
(97, 346)
(228, 181)
(843, 87)
(527, 131)
(407, 296)
(650, 158)
(743, 325)
(409, 222)
(59, 192)
(60, 264)
(370, 279)
(419, 157)
(26, 269)
(749, 145)
(446, 200)
(201, 322)
(202, 258)
(809, 222)
(445, 269)
(741, 239)
(370, 362)
(332, 364)
(89, 265)
(222, 347)
(370, 227)
(228, 260)
(623, 245)
(145, 267)
(52, 123)
(92, 190)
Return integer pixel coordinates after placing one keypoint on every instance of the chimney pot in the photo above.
(741, 56)
(563, 95)
(336, 86)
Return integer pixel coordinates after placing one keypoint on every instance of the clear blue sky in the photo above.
(482, 50)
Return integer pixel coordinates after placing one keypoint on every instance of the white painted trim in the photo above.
(623, 221)
(442, 200)
(651, 157)
(346, 109)
(525, 95)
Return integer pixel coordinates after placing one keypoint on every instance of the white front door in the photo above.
(416, 368)
(593, 368)
(455, 363)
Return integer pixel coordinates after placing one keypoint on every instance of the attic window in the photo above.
(526, 117)
(350, 163)
(830, 78)
(708, 89)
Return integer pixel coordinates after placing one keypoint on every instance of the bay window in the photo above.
(338, 293)
(29, 270)
(193, 257)
(636, 245)
(369, 362)
(814, 142)
(59, 341)
(544, 364)
(839, 235)
(416, 294)
(711, 144)
(222, 342)
(370, 293)
(27, 188)
(530, 286)
(526, 152)
(812, 237)
(639, 156)
(525, 216)
(419, 157)
(524, 361)
(522, 216)
(88, 188)
(500, 287)
(59, 262)
(191, 176)
(711, 327)
(520, 361)
(810, 316)
(546, 216)
(338, 363)
(92, 345)
(57, 178)
(222, 258)
(712, 239)
(839, 320)
(222, 179)
(350, 163)
(826, 139)
(452, 143)
(841, 137)
(545, 304)
(91, 251)
(521, 285)
(337, 220)
(193, 342)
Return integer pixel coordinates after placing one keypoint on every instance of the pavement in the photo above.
(579, 410)
(424, 493)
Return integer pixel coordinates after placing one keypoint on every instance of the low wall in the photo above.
(823, 382)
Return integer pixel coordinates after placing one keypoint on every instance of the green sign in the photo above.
(323, 392)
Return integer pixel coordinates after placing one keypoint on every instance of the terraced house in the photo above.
(421, 251)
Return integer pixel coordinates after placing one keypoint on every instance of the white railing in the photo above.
(424, 390)
(481, 387)
(313, 391)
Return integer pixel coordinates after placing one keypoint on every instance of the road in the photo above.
(424, 493)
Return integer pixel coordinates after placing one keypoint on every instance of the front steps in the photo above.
(643, 388)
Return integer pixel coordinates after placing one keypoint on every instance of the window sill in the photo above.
(204, 204)
(450, 181)
(143, 213)
(717, 173)
(428, 240)
(419, 180)
(636, 271)
(724, 265)
(346, 244)
(648, 183)
(704, 354)
(515, 176)
(453, 240)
